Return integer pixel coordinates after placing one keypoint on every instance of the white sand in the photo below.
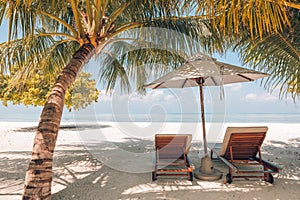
(113, 161)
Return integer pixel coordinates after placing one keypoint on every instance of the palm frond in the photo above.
(257, 17)
(22, 56)
(2, 11)
(60, 22)
(21, 19)
(200, 33)
(278, 54)
(113, 72)
(275, 55)
(139, 62)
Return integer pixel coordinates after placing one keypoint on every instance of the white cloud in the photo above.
(156, 94)
(252, 97)
(169, 98)
(150, 96)
(235, 87)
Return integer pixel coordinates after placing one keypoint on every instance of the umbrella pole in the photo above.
(203, 119)
(206, 171)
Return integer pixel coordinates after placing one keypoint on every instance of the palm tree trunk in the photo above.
(39, 174)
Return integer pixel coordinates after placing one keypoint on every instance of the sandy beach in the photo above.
(113, 161)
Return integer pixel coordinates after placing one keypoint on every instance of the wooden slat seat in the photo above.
(171, 157)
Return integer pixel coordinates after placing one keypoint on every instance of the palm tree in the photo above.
(62, 36)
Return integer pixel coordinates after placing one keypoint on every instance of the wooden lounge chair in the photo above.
(171, 157)
(241, 150)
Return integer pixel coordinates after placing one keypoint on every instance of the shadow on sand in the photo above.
(75, 127)
(79, 174)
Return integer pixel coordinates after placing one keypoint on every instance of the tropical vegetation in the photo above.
(278, 54)
(34, 91)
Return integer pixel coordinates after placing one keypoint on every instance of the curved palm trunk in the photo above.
(39, 174)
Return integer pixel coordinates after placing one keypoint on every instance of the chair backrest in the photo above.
(172, 145)
(244, 141)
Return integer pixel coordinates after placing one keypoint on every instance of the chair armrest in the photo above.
(229, 164)
(269, 165)
(215, 151)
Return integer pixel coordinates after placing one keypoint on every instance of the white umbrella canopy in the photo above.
(213, 73)
(202, 70)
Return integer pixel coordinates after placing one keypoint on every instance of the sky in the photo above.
(238, 98)
(250, 97)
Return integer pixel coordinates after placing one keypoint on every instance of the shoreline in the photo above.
(167, 117)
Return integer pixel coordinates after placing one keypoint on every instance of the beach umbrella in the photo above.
(202, 70)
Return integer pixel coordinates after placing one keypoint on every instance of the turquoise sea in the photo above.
(170, 117)
(195, 117)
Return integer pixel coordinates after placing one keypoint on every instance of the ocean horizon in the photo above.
(169, 117)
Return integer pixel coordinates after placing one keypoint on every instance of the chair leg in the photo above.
(229, 176)
(154, 176)
(269, 178)
(190, 176)
(154, 172)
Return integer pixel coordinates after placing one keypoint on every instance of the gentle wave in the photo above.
(174, 117)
